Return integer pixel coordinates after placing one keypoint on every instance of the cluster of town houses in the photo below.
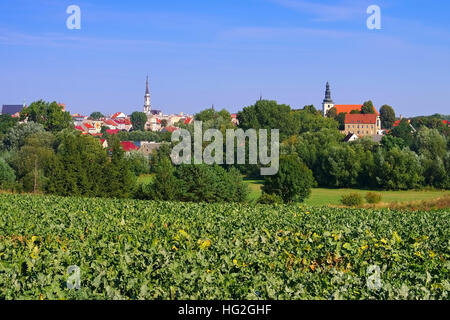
(357, 125)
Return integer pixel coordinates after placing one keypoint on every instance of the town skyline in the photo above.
(201, 54)
(147, 107)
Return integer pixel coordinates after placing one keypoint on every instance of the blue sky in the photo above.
(227, 53)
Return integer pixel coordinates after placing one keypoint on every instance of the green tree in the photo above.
(368, 107)
(430, 142)
(292, 183)
(15, 138)
(7, 122)
(387, 115)
(7, 175)
(389, 142)
(212, 119)
(165, 186)
(265, 114)
(340, 167)
(434, 172)
(96, 115)
(405, 132)
(210, 183)
(138, 163)
(33, 162)
(447, 170)
(138, 119)
(49, 114)
(398, 169)
(311, 109)
(121, 181)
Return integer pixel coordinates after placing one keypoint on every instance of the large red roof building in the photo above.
(328, 104)
(362, 124)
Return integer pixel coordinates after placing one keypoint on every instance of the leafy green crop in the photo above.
(129, 249)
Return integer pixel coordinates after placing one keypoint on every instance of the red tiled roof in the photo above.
(87, 125)
(158, 121)
(80, 128)
(397, 123)
(188, 121)
(171, 129)
(111, 132)
(111, 123)
(128, 146)
(347, 108)
(123, 121)
(361, 119)
(446, 122)
(115, 115)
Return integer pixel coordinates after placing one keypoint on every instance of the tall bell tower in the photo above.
(147, 103)
(327, 102)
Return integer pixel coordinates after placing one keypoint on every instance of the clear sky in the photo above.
(227, 53)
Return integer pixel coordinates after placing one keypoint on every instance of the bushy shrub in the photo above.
(292, 183)
(270, 199)
(373, 197)
(352, 199)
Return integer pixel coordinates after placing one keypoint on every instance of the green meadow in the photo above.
(323, 197)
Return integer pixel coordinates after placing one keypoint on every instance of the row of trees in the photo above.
(193, 183)
(36, 158)
(47, 155)
(407, 158)
(63, 163)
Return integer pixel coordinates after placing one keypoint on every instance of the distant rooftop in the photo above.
(11, 109)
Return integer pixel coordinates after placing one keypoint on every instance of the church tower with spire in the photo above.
(147, 103)
(327, 102)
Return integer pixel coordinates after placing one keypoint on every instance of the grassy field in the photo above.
(323, 197)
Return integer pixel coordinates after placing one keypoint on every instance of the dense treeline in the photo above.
(413, 155)
(36, 158)
(65, 163)
(314, 153)
(48, 156)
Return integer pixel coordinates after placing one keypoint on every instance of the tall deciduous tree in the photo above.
(96, 115)
(405, 132)
(32, 162)
(368, 107)
(7, 122)
(387, 115)
(138, 119)
(15, 137)
(49, 114)
(292, 183)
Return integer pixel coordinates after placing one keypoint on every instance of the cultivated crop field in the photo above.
(130, 249)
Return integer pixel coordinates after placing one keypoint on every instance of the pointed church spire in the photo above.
(328, 95)
(147, 104)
